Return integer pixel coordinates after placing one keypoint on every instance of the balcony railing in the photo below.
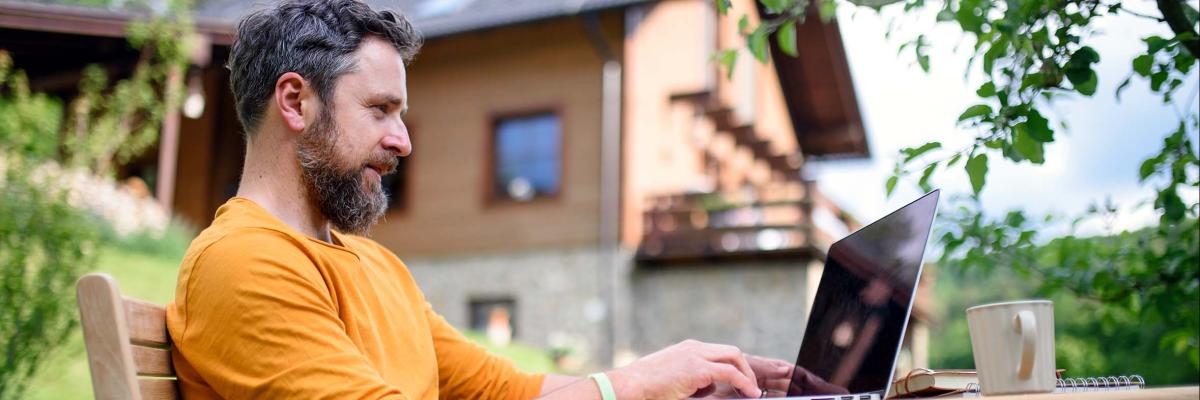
(707, 226)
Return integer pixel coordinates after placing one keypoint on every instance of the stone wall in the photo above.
(558, 293)
(759, 306)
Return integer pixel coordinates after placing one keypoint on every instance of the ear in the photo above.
(292, 91)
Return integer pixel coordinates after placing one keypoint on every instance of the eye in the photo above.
(380, 109)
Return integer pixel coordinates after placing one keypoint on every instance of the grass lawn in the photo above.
(140, 275)
(152, 278)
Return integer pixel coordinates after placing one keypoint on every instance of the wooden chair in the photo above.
(128, 348)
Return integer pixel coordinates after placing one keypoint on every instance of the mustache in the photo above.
(384, 161)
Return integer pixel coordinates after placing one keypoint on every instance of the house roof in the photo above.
(433, 18)
(436, 18)
(817, 86)
(819, 92)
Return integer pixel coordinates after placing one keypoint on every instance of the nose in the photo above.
(397, 140)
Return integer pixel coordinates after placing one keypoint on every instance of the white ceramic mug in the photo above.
(1013, 345)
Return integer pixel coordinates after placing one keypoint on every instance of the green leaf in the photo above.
(924, 182)
(923, 61)
(727, 59)
(977, 170)
(1084, 57)
(1035, 79)
(995, 51)
(1142, 64)
(722, 6)
(775, 6)
(1039, 127)
(1029, 148)
(978, 110)
(786, 37)
(1155, 43)
(945, 15)
(969, 16)
(828, 10)
(1157, 79)
(1087, 87)
(919, 48)
(1184, 62)
(1172, 205)
(1148, 167)
(912, 153)
(743, 24)
(1121, 88)
(891, 185)
(954, 160)
(988, 89)
(757, 42)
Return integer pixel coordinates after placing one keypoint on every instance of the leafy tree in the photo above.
(1089, 342)
(45, 241)
(1033, 53)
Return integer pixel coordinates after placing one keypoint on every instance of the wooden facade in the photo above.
(694, 146)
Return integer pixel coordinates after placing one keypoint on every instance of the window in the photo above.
(494, 317)
(527, 157)
(395, 185)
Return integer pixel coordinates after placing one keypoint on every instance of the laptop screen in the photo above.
(862, 304)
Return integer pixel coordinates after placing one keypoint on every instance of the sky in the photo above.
(1097, 158)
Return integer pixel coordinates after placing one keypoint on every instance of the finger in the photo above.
(726, 373)
(776, 384)
(729, 355)
(769, 368)
(705, 391)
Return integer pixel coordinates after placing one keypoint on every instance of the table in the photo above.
(1168, 393)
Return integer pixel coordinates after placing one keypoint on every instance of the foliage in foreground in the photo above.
(46, 241)
(45, 244)
(1103, 327)
(1031, 54)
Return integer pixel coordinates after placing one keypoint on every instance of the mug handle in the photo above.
(1025, 324)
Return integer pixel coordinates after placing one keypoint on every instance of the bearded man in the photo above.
(280, 298)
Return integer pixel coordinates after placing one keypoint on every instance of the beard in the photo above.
(345, 197)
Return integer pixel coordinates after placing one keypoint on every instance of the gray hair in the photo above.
(313, 38)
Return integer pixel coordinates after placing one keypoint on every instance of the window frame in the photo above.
(406, 199)
(493, 300)
(490, 197)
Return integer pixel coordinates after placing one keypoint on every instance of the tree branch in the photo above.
(1172, 11)
(1138, 14)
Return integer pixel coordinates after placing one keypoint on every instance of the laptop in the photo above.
(862, 305)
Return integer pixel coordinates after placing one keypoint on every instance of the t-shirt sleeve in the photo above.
(259, 323)
(467, 371)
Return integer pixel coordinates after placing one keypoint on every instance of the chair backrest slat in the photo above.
(158, 389)
(153, 362)
(147, 324)
(126, 340)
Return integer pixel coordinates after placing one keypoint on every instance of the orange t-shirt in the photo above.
(263, 311)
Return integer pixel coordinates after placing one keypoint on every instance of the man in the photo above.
(273, 303)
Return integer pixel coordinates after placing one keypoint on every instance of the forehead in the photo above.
(379, 69)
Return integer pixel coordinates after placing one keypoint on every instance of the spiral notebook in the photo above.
(924, 382)
(1090, 384)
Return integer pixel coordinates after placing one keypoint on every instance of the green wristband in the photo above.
(606, 389)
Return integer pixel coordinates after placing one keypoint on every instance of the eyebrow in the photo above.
(389, 99)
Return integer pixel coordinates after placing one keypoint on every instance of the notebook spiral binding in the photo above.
(1090, 384)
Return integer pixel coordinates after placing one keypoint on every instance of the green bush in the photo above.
(45, 244)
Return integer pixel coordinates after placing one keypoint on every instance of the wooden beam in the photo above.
(168, 144)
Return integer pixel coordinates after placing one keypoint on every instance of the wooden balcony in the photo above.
(696, 227)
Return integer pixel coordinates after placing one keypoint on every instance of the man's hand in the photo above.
(809, 383)
(772, 374)
(684, 370)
